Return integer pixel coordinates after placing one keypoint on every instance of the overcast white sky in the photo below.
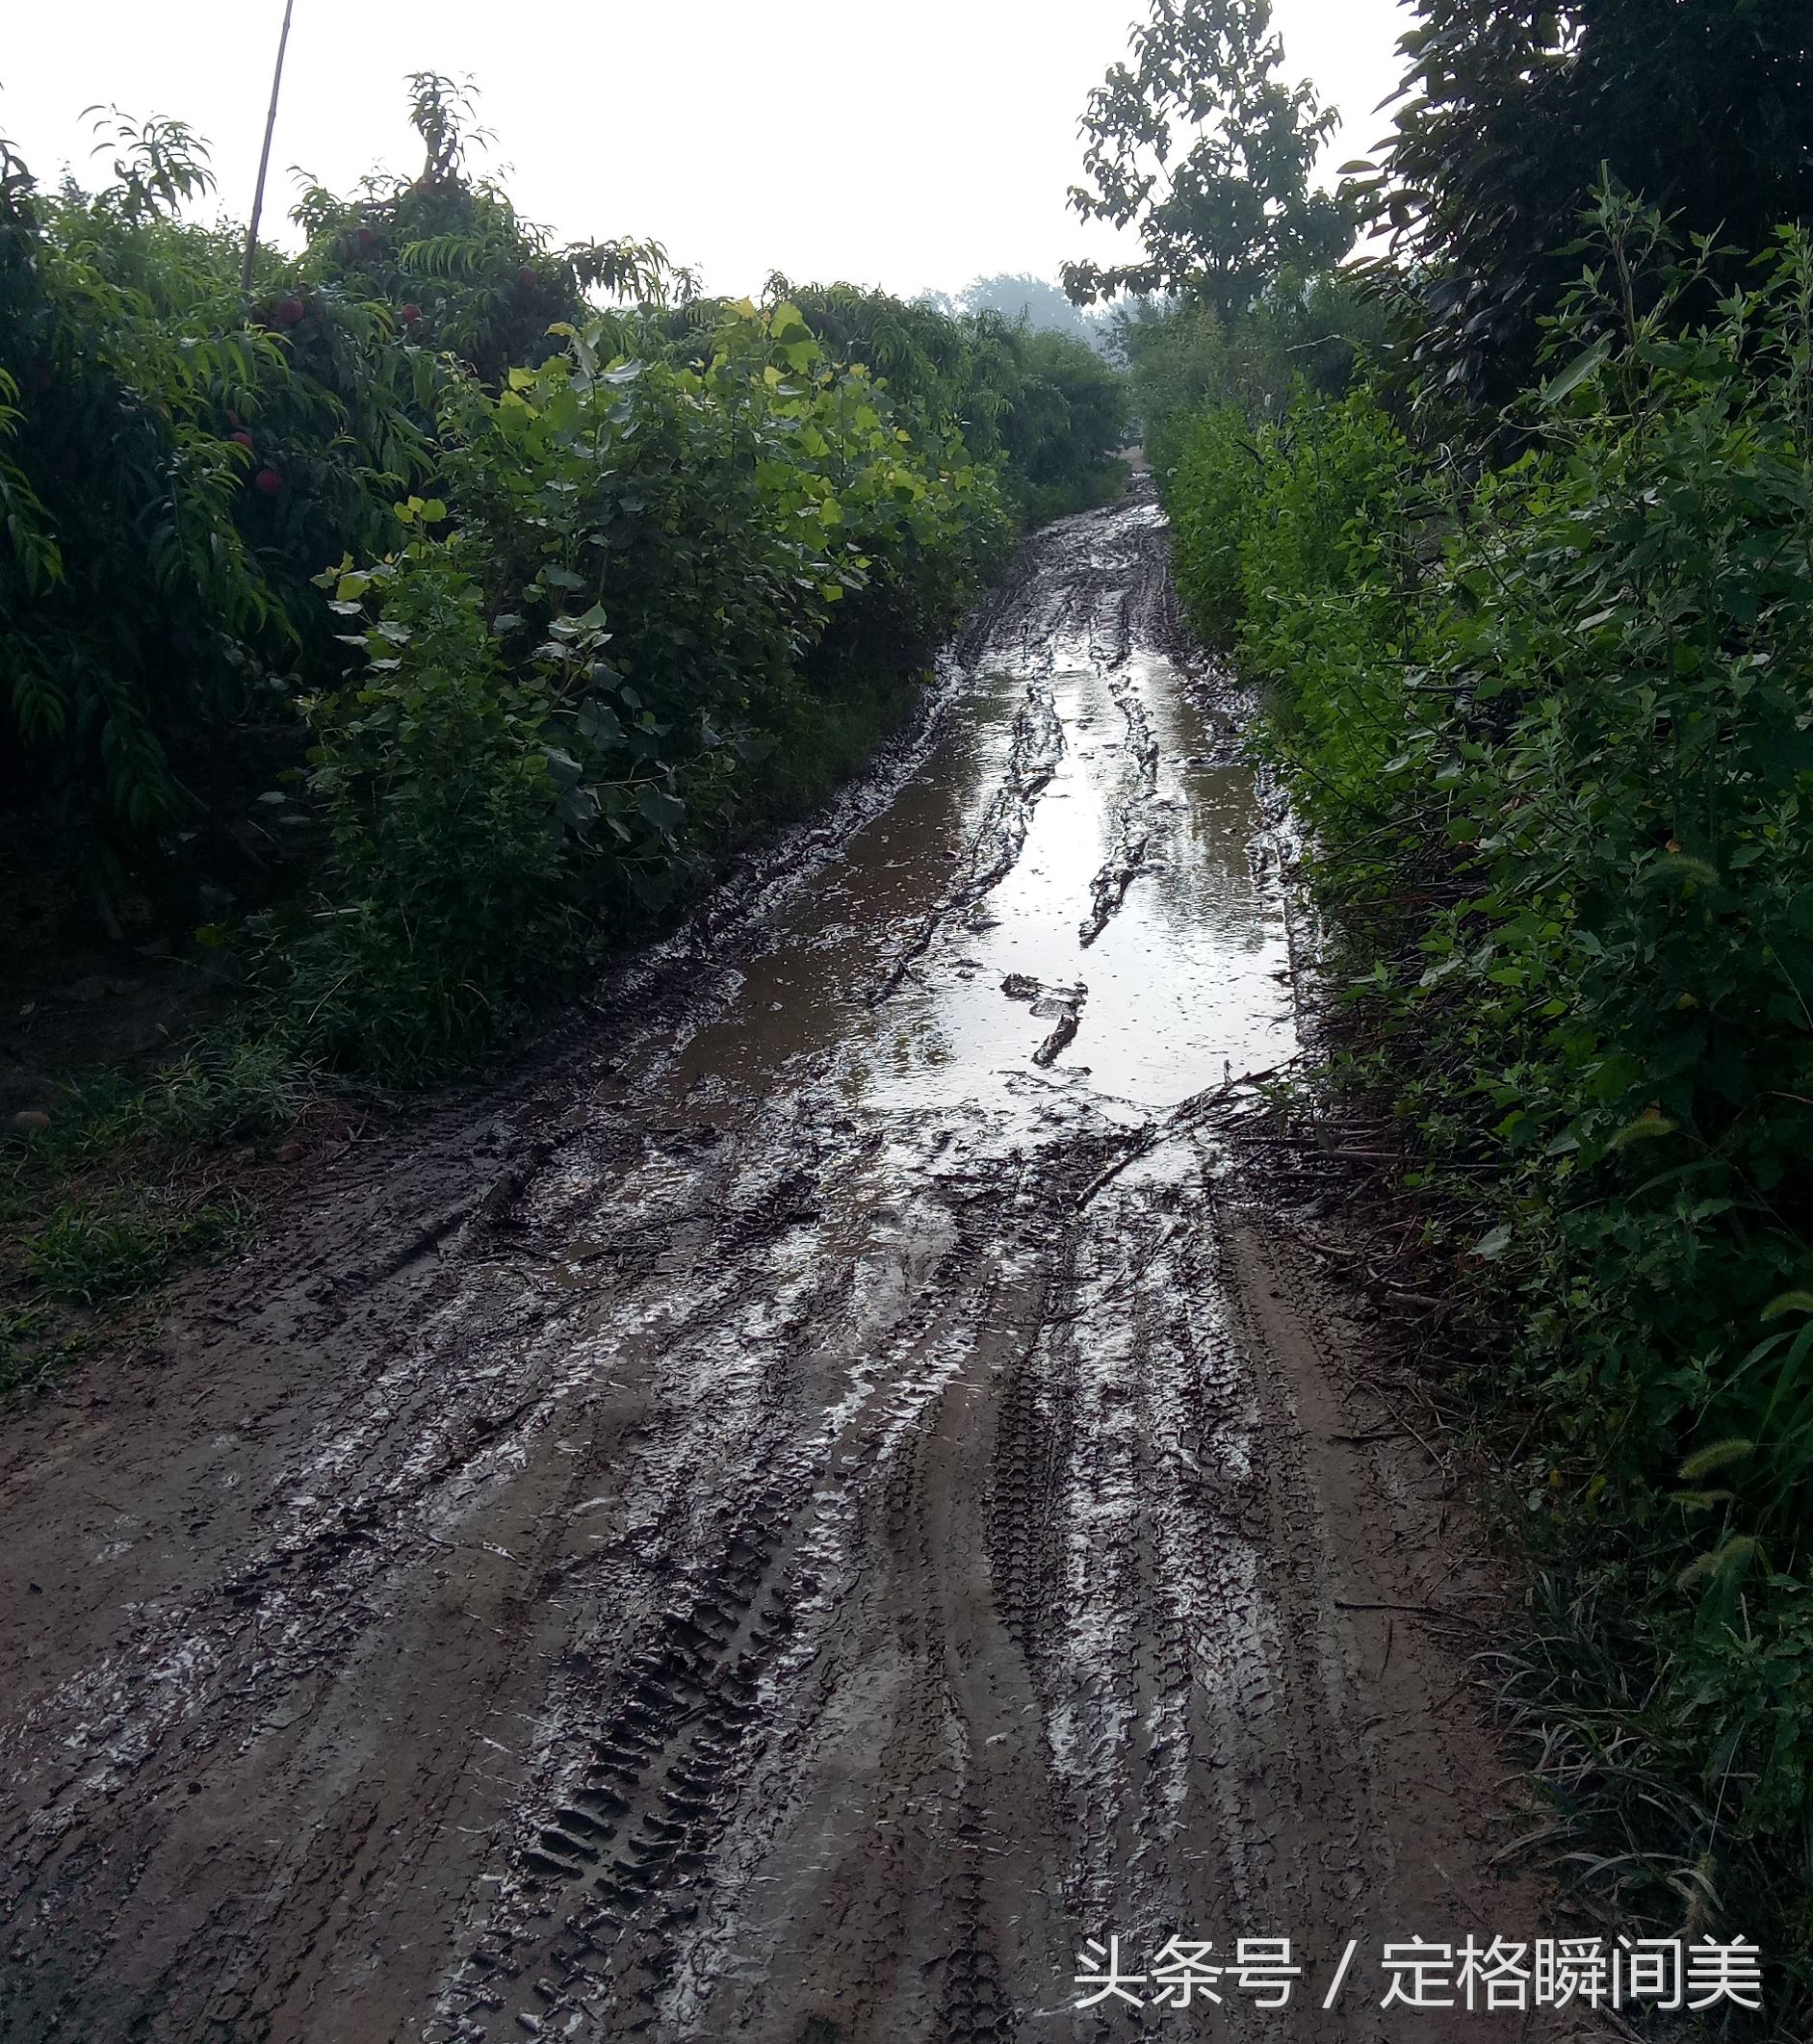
(911, 146)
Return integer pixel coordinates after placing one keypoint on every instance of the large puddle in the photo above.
(943, 958)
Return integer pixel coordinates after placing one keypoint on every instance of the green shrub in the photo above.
(1185, 358)
(172, 474)
(1209, 481)
(594, 567)
(450, 259)
(442, 901)
(1551, 733)
(1063, 422)
(649, 572)
(1041, 410)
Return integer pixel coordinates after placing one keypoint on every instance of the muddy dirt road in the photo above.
(786, 1519)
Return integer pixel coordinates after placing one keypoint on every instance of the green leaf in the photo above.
(1584, 365)
(599, 722)
(662, 810)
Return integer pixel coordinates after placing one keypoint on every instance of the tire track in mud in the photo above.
(1132, 816)
(1033, 754)
(671, 1554)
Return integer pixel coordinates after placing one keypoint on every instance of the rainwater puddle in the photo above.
(1009, 998)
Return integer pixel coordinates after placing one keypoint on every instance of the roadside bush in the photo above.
(1063, 418)
(442, 902)
(1292, 544)
(173, 474)
(1550, 731)
(593, 564)
(1185, 357)
(1043, 409)
(568, 679)
(447, 256)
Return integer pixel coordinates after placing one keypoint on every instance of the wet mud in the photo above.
(824, 1492)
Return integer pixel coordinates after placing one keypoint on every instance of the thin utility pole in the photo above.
(264, 155)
